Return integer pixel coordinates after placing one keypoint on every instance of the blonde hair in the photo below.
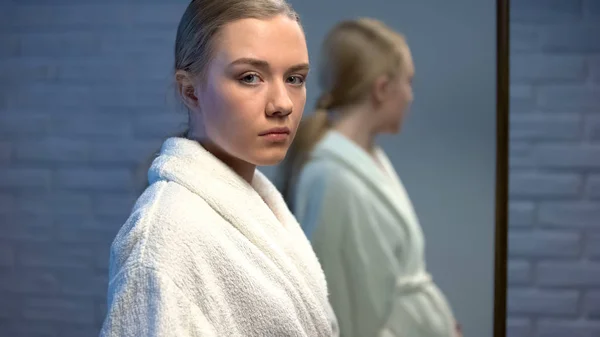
(203, 19)
(353, 55)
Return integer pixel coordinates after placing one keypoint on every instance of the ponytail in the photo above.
(309, 132)
(353, 55)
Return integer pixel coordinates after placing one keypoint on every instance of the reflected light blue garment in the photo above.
(367, 237)
(311, 218)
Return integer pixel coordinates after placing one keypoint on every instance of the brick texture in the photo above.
(87, 98)
(554, 254)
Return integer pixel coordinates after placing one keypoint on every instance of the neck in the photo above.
(356, 124)
(198, 133)
(242, 168)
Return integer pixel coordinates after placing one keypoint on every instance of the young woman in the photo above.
(348, 198)
(210, 248)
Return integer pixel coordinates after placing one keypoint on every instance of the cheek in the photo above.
(299, 100)
(231, 105)
(404, 97)
(212, 101)
(408, 93)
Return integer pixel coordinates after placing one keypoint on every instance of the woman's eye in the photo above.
(250, 79)
(296, 80)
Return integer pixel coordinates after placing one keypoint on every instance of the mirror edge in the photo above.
(502, 166)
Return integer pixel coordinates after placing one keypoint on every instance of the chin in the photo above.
(270, 157)
(390, 130)
(394, 128)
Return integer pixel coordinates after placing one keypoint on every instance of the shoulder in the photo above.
(166, 224)
(330, 177)
(326, 188)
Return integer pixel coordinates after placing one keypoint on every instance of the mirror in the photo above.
(88, 96)
(451, 152)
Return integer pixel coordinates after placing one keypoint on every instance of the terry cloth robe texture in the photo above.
(204, 253)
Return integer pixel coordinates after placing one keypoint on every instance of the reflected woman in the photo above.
(348, 198)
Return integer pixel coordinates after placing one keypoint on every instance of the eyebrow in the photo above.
(265, 65)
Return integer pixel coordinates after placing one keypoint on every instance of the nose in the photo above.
(279, 103)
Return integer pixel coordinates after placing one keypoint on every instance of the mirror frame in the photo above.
(502, 166)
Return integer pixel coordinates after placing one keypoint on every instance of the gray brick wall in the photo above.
(86, 97)
(554, 238)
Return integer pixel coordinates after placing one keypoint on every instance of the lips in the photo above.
(276, 131)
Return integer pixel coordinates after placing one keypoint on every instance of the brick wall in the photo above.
(86, 97)
(554, 238)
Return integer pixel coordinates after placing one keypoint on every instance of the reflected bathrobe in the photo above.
(204, 253)
(367, 237)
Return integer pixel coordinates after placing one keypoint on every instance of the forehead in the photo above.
(280, 41)
(409, 66)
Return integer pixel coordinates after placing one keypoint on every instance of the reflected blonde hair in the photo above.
(353, 55)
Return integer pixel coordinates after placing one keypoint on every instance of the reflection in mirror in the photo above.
(398, 197)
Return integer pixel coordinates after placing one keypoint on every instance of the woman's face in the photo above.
(252, 98)
(399, 96)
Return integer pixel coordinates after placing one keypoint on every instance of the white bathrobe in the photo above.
(368, 239)
(204, 253)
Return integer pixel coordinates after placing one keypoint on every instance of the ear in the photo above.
(186, 89)
(381, 89)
